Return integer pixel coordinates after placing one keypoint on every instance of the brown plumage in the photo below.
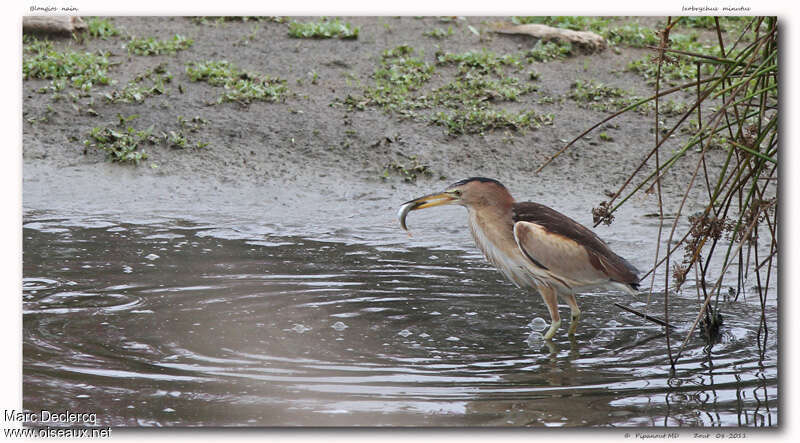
(600, 255)
(533, 245)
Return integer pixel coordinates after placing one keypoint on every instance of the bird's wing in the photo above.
(561, 256)
(566, 248)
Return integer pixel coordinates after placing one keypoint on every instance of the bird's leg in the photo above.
(574, 310)
(551, 299)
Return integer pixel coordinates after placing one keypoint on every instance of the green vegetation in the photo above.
(179, 139)
(81, 69)
(151, 46)
(439, 33)
(245, 40)
(481, 80)
(470, 89)
(121, 146)
(136, 92)
(726, 23)
(634, 35)
(101, 28)
(192, 125)
(240, 86)
(590, 91)
(125, 145)
(599, 97)
(408, 171)
(679, 67)
(481, 62)
(323, 29)
(576, 23)
(217, 73)
(200, 20)
(399, 76)
(465, 104)
(479, 120)
(545, 52)
(630, 34)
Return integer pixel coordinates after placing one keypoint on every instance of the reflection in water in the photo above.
(174, 323)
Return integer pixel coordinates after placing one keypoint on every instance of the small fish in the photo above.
(403, 212)
(426, 201)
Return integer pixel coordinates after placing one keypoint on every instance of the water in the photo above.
(165, 322)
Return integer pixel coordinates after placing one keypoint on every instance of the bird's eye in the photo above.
(457, 193)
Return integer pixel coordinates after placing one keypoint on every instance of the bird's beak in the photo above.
(427, 201)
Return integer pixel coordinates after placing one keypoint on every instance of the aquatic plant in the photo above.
(735, 109)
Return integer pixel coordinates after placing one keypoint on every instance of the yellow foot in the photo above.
(552, 331)
(573, 325)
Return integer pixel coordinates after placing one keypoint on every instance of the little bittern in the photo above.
(534, 246)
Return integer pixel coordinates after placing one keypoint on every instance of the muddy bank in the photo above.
(309, 152)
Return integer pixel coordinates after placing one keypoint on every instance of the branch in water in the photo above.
(645, 316)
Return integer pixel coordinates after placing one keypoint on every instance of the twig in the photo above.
(645, 316)
(692, 54)
(663, 45)
(616, 114)
(715, 288)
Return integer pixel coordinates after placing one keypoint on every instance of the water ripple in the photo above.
(278, 330)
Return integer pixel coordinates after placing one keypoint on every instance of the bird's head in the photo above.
(473, 192)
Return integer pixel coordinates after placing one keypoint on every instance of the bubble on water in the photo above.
(451, 338)
(404, 333)
(127, 269)
(151, 256)
(537, 324)
(535, 340)
(613, 324)
(168, 410)
(339, 326)
(436, 313)
(300, 328)
(424, 335)
(470, 314)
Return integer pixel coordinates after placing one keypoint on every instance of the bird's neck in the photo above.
(492, 223)
(493, 231)
(492, 226)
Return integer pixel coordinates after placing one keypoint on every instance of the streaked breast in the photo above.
(501, 250)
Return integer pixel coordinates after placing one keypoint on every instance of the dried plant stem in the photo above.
(708, 297)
